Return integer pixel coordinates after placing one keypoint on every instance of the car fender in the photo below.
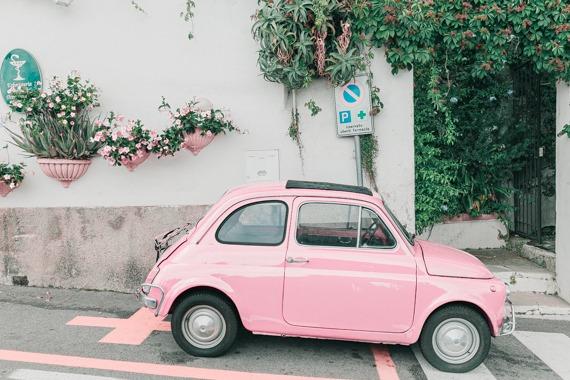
(182, 286)
(491, 304)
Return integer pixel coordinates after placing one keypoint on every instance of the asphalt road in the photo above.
(38, 343)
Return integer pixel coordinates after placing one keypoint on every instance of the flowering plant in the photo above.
(47, 136)
(11, 175)
(56, 122)
(122, 142)
(170, 141)
(189, 118)
(63, 99)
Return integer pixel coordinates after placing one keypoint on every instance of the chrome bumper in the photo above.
(143, 294)
(509, 321)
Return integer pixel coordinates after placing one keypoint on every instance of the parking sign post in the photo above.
(358, 160)
(353, 115)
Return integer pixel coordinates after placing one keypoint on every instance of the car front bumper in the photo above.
(151, 302)
(509, 320)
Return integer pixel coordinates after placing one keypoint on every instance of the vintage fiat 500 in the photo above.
(321, 260)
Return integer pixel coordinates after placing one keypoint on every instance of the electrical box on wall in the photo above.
(262, 165)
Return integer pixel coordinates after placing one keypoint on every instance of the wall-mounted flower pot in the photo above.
(135, 161)
(468, 218)
(5, 189)
(197, 141)
(65, 171)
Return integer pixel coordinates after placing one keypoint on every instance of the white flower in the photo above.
(57, 99)
(7, 177)
(12, 185)
(64, 122)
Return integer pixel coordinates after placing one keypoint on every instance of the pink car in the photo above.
(321, 260)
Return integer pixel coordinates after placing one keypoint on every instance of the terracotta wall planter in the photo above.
(468, 218)
(197, 141)
(65, 171)
(5, 189)
(135, 161)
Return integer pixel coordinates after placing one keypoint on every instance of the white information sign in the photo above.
(353, 108)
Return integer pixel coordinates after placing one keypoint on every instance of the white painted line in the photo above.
(32, 374)
(479, 373)
(550, 348)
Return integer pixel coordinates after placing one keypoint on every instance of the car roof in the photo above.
(302, 188)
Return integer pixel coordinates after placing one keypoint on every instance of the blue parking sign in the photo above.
(344, 117)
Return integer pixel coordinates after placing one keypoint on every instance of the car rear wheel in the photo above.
(204, 325)
(455, 339)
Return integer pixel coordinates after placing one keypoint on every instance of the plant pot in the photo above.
(5, 189)
(467, 218)
(132, 164)
(195, 142)
(65, 171)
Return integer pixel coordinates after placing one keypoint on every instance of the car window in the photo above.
(260, 223)
(373, 232)
(328, 224)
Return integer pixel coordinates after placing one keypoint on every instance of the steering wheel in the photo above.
(369, 233)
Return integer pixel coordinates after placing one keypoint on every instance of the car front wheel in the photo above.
(204, 325)
(455, 339)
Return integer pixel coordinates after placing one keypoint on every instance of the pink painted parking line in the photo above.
(142, 368)
(133, 330)
(384, 364)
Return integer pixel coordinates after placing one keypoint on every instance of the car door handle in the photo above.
(298, 260)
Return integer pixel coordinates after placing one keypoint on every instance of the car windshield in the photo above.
(409, 236)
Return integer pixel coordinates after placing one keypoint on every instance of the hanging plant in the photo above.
(127, 144)
(188, 15)
(194, 125)
(307, 39)
(56, 126)
(11, 176)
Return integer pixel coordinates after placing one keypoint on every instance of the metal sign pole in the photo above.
(358, 160)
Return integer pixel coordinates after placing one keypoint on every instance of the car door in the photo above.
(246, 251)
(347, 269)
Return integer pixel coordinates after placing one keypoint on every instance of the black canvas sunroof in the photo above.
(292, 184)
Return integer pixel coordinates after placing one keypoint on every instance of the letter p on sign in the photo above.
(344, 117)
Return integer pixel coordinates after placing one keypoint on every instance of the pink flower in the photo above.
(120, 118)
(209, 133)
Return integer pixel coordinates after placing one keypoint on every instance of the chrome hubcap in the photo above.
(456, 341)
(203, 326)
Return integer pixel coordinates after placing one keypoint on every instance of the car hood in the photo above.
(442, 260)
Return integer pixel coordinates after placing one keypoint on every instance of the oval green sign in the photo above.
(19, 68)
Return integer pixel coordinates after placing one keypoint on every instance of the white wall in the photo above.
(136, 58)
(563, 192)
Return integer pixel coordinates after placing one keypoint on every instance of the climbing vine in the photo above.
(451, 45)
(303, 40)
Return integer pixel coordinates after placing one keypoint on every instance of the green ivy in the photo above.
(313, 107)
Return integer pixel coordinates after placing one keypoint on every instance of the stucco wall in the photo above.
(136, 58)
(563, 192)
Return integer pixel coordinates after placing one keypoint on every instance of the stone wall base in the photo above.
(84, 248)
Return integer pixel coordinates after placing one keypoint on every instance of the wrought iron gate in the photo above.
(527, 182)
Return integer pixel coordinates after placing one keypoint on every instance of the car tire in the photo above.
(204, 324)
(455, 339)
